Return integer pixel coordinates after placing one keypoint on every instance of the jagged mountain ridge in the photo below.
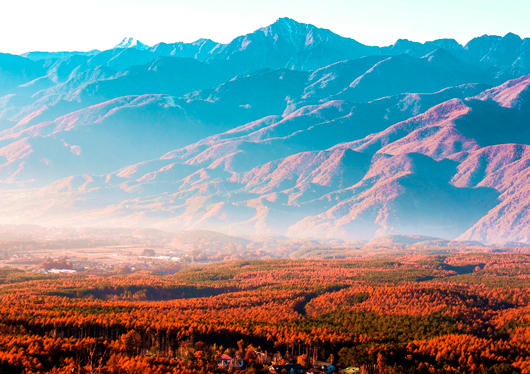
(344, 191)
(293, 45)
(291, 130)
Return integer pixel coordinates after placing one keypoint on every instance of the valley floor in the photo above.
(461, 313)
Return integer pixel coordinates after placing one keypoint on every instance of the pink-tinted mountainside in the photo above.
(290, 129)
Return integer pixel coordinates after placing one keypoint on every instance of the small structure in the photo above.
(262, 357)
(226, 361)
(325, 367)
(289, 369)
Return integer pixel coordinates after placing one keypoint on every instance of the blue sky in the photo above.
(55, 25)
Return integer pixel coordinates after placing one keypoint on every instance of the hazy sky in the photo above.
(54, 25)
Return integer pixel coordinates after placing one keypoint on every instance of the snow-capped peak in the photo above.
(132, 43)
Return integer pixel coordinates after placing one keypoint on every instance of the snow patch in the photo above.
(132, 43)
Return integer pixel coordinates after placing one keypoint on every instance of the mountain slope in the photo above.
(98, 139)
(274, 46)
(404, 73)
(16, 70)
(290, 129)
(253, 178)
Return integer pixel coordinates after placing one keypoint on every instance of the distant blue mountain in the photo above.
(290, 130)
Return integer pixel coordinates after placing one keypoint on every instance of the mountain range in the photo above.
(290, 130)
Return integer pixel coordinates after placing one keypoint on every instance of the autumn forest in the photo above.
(446, 313)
